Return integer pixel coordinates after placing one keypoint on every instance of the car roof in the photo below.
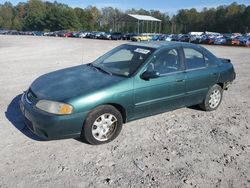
(159, 44)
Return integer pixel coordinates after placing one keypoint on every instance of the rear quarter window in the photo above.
(210, 60)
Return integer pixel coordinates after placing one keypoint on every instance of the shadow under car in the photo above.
(14, 115)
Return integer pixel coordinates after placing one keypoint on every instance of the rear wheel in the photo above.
(102, 125)
(213, 98)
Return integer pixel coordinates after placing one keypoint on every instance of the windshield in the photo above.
(123, 60)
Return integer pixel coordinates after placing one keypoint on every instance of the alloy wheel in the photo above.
(104, 127)
(215, 98)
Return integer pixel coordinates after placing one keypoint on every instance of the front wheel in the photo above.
(213, 98)
(102, 125)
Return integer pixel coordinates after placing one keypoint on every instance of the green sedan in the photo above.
(130, 82)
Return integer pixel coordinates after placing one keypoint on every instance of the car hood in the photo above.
(72, 82)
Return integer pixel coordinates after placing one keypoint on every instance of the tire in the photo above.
(95, 132)
(213, 98)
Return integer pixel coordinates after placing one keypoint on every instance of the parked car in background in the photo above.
(38, 33)
(142, 37)
(196, 39)
(106, 36)
(59, 34)
(233, 41)
(30, 33)
(155, 37)
(128, 36)
(76, 34)
(68, 34)
(99, 35)
(47, 33)
(92, 35)
(247, 42)
(167, 37)
(185, 38)
(80, 34)
(2, 32)
(83, 34)
(176, 37)
(207, 39)
(12, 32)
(132, 81)
(242, 40)
(116, 36)
(220, 41)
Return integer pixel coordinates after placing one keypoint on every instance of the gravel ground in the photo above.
(182, 148)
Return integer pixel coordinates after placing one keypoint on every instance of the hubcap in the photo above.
(104, 127)
(215, 98)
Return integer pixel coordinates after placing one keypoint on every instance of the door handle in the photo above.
(180, 80)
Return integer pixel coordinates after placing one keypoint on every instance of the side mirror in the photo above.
(147, 75)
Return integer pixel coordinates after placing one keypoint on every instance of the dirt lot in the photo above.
(183, 148)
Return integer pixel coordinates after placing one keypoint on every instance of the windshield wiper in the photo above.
(101, 69)
(91, 65)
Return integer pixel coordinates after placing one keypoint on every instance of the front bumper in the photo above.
(50, 126)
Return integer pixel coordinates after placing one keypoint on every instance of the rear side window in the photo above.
(194, 58)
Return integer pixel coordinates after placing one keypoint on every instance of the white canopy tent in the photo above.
(144, 17)
(153, 24)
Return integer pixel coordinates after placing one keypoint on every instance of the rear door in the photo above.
(200, 75)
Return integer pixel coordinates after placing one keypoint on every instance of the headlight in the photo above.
(54, 107)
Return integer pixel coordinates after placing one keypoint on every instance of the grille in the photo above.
(30, 96)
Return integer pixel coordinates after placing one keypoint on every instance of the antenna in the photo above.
(83, 52)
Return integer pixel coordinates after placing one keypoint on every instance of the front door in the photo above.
(164, 93)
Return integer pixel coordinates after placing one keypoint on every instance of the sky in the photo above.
(170, 6)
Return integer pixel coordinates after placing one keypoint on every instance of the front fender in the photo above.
(120, 94)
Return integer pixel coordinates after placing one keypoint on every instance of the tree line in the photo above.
(37, 15)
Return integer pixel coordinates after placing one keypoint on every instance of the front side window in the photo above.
(194, 58)
(166, 61)
(124, 60)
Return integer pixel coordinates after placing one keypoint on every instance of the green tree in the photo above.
(44, 15)
(93, 15)
(60, 17)
(110, 19)
(18, 21)
(246, 20)
(6, 15)
(69, 20)
(35, 15)
(81, 15)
